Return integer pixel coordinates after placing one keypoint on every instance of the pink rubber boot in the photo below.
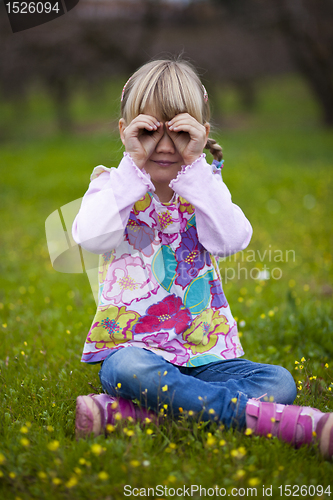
(295, 424)
(95, 411)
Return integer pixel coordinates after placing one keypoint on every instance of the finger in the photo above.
(181, 116)
(143, 122)
(194, 133)
(183, 124)
(150, 140)
(180, 140)
(149, 119)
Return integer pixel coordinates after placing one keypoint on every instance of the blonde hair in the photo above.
(169, 87)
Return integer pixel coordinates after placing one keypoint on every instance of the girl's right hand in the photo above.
(141, 137)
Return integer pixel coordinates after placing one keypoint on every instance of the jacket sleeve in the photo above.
(222, 227)
(100, 224)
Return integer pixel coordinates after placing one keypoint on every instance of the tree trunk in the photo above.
(307, 25)
(60, 92)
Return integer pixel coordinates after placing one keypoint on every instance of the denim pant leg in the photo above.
(256, 380)
(136, 373)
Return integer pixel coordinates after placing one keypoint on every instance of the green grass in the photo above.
(278, 166)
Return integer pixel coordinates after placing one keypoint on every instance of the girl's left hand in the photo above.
(188, 135)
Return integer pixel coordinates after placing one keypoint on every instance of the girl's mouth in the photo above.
(163, 163)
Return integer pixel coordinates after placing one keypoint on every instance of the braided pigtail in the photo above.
(215, 149)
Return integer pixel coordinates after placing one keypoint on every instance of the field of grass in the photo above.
(279, 168)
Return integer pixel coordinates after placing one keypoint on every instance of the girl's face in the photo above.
(164, 162)
(161, 148)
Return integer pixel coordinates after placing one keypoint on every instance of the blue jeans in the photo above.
(218, 390)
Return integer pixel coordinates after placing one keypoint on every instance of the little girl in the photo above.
(163, 331)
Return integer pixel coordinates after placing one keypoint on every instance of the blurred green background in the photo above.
(60, 87)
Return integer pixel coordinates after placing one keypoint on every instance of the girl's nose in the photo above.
(165, 144)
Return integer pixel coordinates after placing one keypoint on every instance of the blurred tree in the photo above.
(99, 40)
(308, 27)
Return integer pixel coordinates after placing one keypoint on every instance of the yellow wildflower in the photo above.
(71, 482)
(53, 445)
(103, 476)
(25, 442)
(164, 388)
(254, 481)
(210, 441)
(134, 463)
(242, 450)
(96, 449)
(24, 429)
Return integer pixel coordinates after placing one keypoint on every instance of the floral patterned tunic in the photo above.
(159, 282)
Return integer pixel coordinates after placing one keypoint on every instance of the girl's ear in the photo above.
(122, 127)
(207, 127)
